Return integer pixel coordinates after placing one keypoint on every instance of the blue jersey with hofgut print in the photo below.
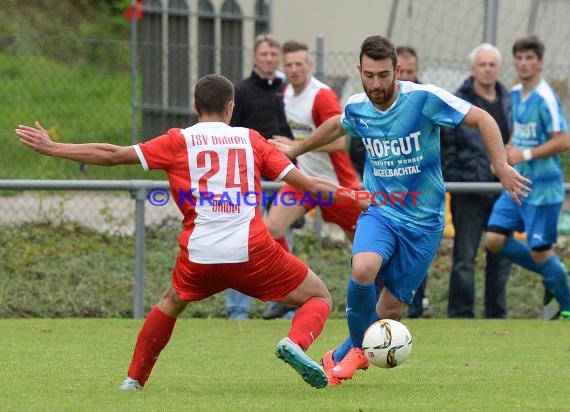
(403, 155)
(534, 118)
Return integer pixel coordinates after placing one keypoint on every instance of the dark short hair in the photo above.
(212, 93)
(406, 50)
(292, 46)
(532, 43)
(266, 38)
(378, 48)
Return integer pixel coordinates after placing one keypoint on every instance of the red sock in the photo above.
(152, 338)
(284, 244)
(308, 322)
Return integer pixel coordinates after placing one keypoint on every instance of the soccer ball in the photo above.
(387, 343)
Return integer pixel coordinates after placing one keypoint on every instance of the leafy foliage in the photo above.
(66, 270)
(62, 20)
(67, 65)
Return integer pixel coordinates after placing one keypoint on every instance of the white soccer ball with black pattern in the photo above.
(387, 343)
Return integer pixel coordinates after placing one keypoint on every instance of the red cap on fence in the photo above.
(134, 12)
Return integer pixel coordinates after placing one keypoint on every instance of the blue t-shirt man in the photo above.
(540, 133)
(534, 119)
(403, 150)
(403, 174)
(398, 236)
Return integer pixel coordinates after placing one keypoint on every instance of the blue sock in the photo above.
(519, 253)
(374, 318)
(360, 306)
(341, 350)
(555, 279)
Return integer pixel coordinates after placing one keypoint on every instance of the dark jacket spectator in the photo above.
(464, 157)
(259, 106)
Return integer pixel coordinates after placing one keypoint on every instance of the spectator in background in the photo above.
(540, 134)
(408, 61)
(259, 106)
(465, 159)
(258, 98)
(308, 103)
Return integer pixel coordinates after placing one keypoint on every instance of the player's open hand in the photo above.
(286, 148)
(283, 139)
(36, 138)
(514, 155)
(514, 183)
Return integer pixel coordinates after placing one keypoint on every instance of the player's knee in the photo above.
(494, 242)
(327, 298)
(363, 273)
(392, 310)
(320, 291)
(276, 229)
(171, 304)
(392, 313)
(542, 255)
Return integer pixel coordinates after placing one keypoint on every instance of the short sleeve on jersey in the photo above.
(444, 108)
(552, 117)
(159, 153)
(348, 119)
(347, 123)
(326, 105)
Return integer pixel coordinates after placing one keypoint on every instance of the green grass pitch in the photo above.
(223, 365)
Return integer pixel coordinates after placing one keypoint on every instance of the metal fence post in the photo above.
(320, 59)
(319, 74)
(134, 68)
(140, 194)
(490, 28)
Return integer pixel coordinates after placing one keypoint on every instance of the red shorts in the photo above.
(343, 214)
(270, 274)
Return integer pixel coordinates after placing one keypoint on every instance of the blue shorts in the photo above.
(539, 222)
(407, 252)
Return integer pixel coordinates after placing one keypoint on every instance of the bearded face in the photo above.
(378, 81)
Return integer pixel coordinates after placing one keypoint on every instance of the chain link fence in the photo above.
(445, 32)
(80, 89)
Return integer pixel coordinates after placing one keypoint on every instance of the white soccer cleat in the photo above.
(310, 371)
(131, 385)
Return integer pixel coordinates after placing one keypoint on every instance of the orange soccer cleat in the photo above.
(328, 364)
(353, 361)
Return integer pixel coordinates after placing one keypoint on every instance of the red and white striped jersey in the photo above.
(307, 111)
(214, 172)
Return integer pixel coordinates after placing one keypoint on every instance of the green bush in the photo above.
(65, 270)
(61, 23)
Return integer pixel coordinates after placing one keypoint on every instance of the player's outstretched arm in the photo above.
(511, 180)
(326, 133)
(316, 185)
(103, 154)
